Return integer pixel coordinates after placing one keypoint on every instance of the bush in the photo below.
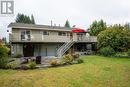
(128, 53)
(67, 59)
(107, 51)
(119, 54)
(11, 66)
(54, 62)
(32, 65)
(114, 37)
(24, 67)
(80, 61)
(75, 56)
(3, 56)
(18, 56)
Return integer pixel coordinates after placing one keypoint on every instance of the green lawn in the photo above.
(96, 71)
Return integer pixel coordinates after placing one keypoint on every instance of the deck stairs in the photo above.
(65, 47)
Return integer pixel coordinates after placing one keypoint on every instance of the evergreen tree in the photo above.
(21, 18)
(32, 19)
(67, 24)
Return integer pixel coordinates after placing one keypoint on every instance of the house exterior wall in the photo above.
(37, 36)
(46, 49)
(17, 49)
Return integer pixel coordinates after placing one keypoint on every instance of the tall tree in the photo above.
(67, 24)
(21, 18)
(32, 19)
(96, 27)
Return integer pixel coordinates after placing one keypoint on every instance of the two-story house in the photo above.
(43, 40)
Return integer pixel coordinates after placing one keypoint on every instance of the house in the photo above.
(43, 40)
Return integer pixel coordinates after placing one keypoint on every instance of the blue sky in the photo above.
(79, 12)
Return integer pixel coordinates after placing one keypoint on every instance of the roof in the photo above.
(35, 26)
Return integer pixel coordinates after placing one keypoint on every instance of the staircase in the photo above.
(61, 51)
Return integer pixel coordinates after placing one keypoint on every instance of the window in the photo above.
(25, 35)
(45, 33)
(62, 33)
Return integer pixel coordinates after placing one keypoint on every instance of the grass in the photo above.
(96, 71)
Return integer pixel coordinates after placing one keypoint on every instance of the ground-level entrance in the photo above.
(28, 50)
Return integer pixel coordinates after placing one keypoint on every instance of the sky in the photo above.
(79, 12)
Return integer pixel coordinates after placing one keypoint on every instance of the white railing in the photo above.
(88, 39)
(61, 51)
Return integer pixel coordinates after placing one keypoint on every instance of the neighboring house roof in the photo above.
(40, 27)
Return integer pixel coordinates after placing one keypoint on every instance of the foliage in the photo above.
(32, 19)
(24, 67)
(3, 56)
(11, 66)
(80, 61)
(75, 56)
(4, 40)
(54, 62)
(18, 56)
(128, 53)
(67, 24)
(96, 27)
(32, 65)
(67, 59)
(21, 18)
(115, 37)
(107, 51)
(118, 54)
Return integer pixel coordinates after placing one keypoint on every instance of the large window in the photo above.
(62, 33)
(25, 35)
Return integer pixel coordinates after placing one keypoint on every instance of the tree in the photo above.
(114, 37)
(96, 27)
(21, 18)
(4, 40)
(127, 26)
(3, 56)
(32, 19)
(67, 24)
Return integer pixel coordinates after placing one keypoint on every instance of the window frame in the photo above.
(24, 34)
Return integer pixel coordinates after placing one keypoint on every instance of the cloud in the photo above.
(78, 12)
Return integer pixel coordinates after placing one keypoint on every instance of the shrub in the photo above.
(11, 66)
(18, 56)
(118, 54)
(3, 56)
(80, 61)
(54, 62)
(107, 51)
(75, 56)
(67, 59)
(128, 53)
(24, 67)
(115, 37)
(32, 65)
